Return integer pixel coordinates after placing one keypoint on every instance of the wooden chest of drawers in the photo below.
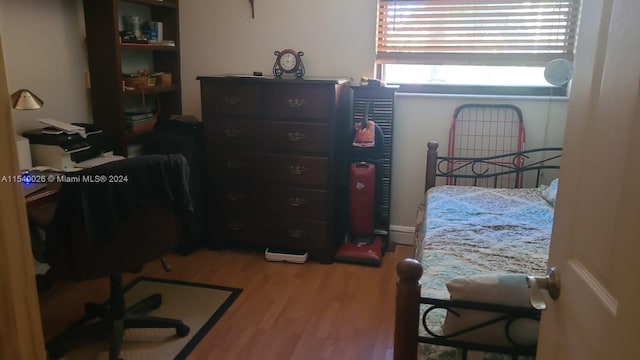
(276, 162)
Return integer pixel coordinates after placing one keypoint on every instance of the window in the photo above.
(478, 43)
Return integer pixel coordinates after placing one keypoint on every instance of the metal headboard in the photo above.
(525, 165)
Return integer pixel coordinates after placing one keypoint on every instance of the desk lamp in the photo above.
(24, 99)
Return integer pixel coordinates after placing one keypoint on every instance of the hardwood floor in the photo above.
(286, 311)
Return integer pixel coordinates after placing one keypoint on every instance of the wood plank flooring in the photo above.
(286, 311)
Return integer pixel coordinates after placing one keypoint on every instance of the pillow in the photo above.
(500, 289)
(550, 192)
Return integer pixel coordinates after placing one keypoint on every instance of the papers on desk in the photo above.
(64, 127)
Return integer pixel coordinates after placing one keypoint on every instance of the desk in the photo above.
(41, 206)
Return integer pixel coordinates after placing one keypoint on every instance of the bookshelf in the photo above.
(109, 58)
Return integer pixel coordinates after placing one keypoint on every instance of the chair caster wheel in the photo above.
(182, 330)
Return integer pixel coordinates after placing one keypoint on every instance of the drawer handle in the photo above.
(234, 195)
(297, 169)
(296, 233)
(234, 164)
(231, 100)
(295, 102)
(232, 133)
(297, 201)
(296, 136)
(235, 225)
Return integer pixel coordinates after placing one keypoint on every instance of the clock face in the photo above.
(288, 61)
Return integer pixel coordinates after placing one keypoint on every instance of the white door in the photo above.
(596, 236)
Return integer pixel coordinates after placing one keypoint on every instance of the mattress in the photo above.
(466, 230)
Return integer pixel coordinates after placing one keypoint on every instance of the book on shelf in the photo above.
(153, 30)
(141, 126)
(139, 122)
(138, 116)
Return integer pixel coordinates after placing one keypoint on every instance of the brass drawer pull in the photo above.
(297, 169)
(296, 233)
(297, 201)
(235, 226)
(231, 100)
(295, 102)
(232, 133)
(234, 195)
(234, 164)
(296, 136)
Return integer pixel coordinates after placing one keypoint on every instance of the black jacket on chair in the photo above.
(113, 193)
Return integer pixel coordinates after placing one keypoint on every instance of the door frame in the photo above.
(19, 307)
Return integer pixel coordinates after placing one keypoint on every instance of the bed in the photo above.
(465, 293)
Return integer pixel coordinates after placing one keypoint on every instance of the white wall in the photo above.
(220, 37)
(44, 52)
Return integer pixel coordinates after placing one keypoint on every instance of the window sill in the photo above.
(483, 91)
(481, 97)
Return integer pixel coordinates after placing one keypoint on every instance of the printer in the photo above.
(58, 149)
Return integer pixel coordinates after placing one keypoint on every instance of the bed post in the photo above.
(432, 163)
(407, 310)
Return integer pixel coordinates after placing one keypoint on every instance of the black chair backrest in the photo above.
(115, 217)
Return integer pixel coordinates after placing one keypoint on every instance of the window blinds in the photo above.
(482, 32)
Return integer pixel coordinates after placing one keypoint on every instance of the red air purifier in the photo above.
(362, 185)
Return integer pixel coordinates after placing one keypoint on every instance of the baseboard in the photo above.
(402, 234)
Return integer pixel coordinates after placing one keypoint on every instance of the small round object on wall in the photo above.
(558, 72)
(288, 62)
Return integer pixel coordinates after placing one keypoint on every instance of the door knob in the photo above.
(551, 283)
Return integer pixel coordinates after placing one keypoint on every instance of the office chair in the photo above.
(116, 218)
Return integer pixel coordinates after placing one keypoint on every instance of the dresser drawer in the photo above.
(237, 196)
(274, 232)
(298, 102)
(278, 169)
(269, 135)
(295, 234)
(295, 203)
(273, 200)
(231, 98)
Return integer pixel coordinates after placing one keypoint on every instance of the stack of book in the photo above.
(140, 121)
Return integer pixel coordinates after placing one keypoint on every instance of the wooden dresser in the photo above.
(276, 162)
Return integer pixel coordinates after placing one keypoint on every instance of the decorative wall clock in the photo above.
(288, 62)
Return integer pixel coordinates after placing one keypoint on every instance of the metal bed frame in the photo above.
(483, 130)
(408, 299)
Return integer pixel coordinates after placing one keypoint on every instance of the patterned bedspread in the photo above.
(473, 230)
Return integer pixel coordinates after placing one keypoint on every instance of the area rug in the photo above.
(200, 306)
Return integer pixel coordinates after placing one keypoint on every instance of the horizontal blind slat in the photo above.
(506, 36)
(476, 2)
(478, 48)
(480, 9)
(471, 20)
